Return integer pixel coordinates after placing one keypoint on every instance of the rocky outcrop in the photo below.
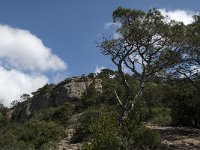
(53, 95)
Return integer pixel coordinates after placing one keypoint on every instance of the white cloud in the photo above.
(116, 35)
(14, 83)
(179, 15)
(98, 69)
(25, 51)
(24, 60)
(111, 24)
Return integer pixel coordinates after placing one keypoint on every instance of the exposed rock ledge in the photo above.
(53, 95)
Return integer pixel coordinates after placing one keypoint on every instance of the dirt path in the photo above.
(179, 138)
(65, 143)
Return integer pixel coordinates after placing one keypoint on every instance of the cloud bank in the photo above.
(24, 60)
(179, 15)
(23, 50)
(14, 83)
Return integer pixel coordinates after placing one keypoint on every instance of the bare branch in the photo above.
(116, 95)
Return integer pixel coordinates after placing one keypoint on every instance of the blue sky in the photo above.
(70, 28)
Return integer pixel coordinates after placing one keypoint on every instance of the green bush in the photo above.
(82, 130)
(186, 111)
(33, 134)
(146, 138)
(41, 132)
(89, 97)
(137, 136)
(104, 130)
(106, 133)
(59, 114)
(62, 114)
(161, 116)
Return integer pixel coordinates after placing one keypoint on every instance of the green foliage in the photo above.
(89, 97)
(89, 115)
(59, 114)
(45, 89)
(3, 116)
(105, 74)
(42, 131)
(107, 96)
(186, 110)
(63, 114)
(107, 134)
(137, 136)
(185, 104)
(104, 130)
(161, 116)
(33, 134)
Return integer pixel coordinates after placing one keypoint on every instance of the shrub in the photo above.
(62, 114)
(107, 134)
(33, 134)
(82, 130)
(59, 114)
(137, 136)
(89, 97)
(104, 130)
(161, 116)
(41, 132)
(186, 110)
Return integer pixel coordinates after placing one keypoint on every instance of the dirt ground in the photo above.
(179, 138)
(176, 138)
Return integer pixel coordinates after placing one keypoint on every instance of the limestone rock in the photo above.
(53, 95)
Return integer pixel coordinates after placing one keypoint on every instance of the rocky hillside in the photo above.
(70, 89)
(79, 113)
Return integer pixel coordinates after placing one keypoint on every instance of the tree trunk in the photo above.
(130, 105)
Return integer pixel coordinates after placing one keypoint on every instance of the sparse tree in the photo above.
(24, 97)
(148, 44)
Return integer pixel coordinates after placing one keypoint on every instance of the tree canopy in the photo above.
(150, 44)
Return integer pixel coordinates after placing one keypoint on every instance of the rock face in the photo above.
(53, 95)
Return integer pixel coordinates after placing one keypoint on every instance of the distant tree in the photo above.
(24, 97)
(14, 103)
(148, 44)
(106, 73)
(91, 75)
